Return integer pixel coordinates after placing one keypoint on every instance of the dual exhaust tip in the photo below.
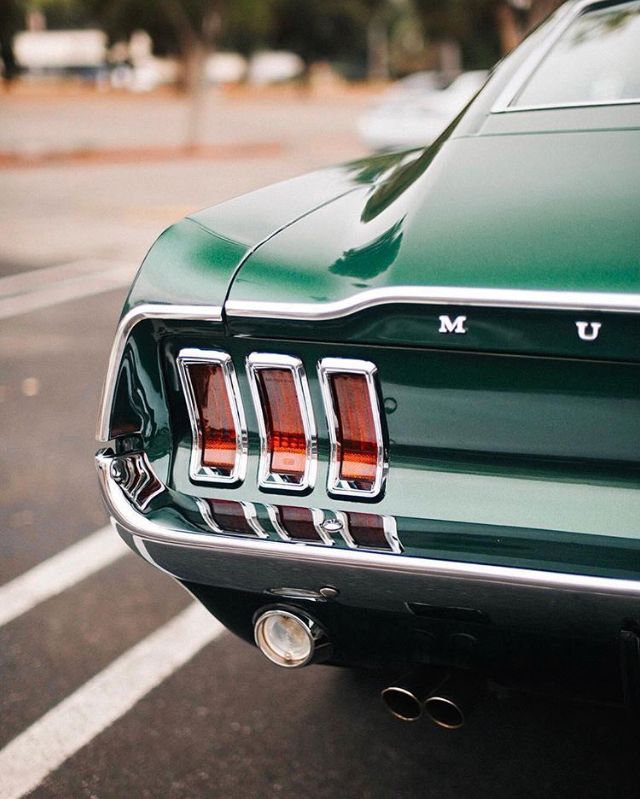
(446, 698)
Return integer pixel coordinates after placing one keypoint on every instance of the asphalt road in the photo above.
(111, 685)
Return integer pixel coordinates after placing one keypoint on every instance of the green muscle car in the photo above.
(388, 414)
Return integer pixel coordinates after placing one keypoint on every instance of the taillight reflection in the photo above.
(299, 524)
(370, 531)
(228, 516)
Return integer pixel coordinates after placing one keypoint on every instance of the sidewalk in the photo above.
(58, 122)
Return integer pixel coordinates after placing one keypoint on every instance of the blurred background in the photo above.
(181, 103)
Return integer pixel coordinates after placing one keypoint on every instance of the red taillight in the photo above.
(228, 516)
(357, 463)
(287, 430)
(299, 524)
(357, 440)
(219, 440)
(286, 441)
(219, 450)
(370, 531)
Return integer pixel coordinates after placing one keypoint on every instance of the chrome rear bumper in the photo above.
(549, 601)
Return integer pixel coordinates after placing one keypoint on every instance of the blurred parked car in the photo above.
(416, 113)
(274, 66)
(416, 84)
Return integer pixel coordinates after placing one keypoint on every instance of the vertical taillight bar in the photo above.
(357, 462)
(288, 445)
(218, 428)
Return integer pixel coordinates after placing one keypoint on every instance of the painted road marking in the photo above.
(66, 728)
(60, 572)
(41, 288)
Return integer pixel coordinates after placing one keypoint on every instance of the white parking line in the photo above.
(72, 724)
(59, 572)
(41, 288)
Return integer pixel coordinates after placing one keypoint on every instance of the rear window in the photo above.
(596, 60)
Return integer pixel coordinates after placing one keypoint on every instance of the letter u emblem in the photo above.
(588, 331)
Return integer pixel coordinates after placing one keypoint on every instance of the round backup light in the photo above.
(287, 639)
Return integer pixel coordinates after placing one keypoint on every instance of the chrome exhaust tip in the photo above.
(450, 705)
(444, 712)
(290, 639)
(406, 698)
(446, 698)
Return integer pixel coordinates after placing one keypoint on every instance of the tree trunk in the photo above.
(509, 31)
(194, 80)
(377, 49)
(196, 43)
(540, 10)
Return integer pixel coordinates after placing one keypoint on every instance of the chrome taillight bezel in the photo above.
(389, 528)
(267, 479)
(336, 485)
(198, 472)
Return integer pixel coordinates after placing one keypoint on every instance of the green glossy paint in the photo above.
(541, 212)
(194, 261)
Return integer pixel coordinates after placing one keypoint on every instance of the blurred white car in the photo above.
(274, 66)
(412, 117)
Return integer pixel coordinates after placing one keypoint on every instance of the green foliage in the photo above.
(316, 29)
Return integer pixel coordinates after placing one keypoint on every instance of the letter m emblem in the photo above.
(455, 326)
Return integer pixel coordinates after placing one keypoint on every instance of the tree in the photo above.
(485, 29)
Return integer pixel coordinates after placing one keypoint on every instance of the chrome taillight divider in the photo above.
(390, 529)
(324, 539)
(197, 470)
(335, 483)
(267, 478)
(250, 515)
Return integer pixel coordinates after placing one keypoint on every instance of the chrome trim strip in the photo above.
(250, 515)
(317, 517)
(266, 478)
(391, 533)
(389, 527)
(436, 295)
(197, 470)
(200, 313)
(514, 87)
(336, 485)
(514, 109)
(137, 524)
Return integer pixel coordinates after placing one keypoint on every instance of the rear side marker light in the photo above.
(288, 445)
(370, 531)
(357, 462)
(299, 524)
(230, 518)
(218, 428)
